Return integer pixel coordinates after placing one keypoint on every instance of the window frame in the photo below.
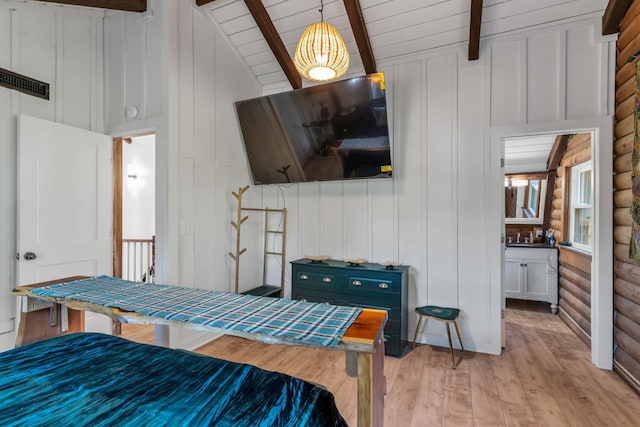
(532, 198)
(573, 205)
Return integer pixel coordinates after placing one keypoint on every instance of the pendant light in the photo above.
(321, 54)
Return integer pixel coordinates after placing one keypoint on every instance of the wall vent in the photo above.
(24, 84)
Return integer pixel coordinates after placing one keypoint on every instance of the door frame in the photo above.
(117, 207)
(602, 254)
(118, 169)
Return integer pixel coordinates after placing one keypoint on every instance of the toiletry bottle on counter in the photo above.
(552, 240)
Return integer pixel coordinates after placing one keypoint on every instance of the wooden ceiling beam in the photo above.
(124, 5)
(474, 29)
(557, 151)
(262, 19)
(354, 12)
(613, 14)
(274, 41)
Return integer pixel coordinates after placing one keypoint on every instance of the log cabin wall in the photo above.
(574, 293)
(574, 267)
(626, 271)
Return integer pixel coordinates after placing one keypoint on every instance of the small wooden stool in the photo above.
(442, 314)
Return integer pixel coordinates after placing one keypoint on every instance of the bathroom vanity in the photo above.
(531, 273)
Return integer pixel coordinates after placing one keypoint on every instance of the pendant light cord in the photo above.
(321, 11)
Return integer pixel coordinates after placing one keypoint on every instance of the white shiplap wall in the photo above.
(183, 77)
(435, 215)
(63, 47)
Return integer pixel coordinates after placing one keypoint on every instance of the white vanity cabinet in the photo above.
(531, 273)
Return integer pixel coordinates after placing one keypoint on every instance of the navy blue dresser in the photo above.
(364, 285)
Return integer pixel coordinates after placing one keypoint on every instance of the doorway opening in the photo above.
(134, 208)
(601, 266)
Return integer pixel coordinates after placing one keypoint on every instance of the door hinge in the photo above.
(501, 163)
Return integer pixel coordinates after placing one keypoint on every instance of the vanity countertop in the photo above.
(531, 245)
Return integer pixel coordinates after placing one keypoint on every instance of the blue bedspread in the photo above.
(89, 379)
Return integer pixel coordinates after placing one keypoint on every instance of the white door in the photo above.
(64, 212)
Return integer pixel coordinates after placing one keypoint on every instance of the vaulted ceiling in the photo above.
(264, 33)
(374, 30)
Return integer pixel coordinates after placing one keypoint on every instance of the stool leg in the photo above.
(455, 323)
(417, 329)
(453, 360)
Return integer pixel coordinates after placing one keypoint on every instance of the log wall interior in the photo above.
(574, 281)
(557, 205)
(626, 271)
(574, 267)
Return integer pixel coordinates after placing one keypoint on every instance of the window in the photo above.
(581, 208)
(533, 198)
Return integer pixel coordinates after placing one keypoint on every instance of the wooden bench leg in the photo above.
(371, 386)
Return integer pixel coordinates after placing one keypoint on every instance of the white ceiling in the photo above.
(396, 28)
(527, 154)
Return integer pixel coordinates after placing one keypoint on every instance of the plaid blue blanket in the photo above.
(296, 321)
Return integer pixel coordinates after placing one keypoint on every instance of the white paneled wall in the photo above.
(183, 78)
(62, 47)
(442, 179)
(435, 214)
(134, 74)
(552, 74)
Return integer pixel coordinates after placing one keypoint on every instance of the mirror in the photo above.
(524, 196)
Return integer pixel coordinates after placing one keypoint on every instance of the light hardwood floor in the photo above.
(543, 378)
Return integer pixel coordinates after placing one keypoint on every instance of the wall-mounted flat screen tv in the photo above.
(333, 131)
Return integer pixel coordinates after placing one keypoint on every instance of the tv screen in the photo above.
(333, 131)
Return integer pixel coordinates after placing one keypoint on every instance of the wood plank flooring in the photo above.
(543, 378)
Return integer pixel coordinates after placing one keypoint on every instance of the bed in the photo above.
(96, 379)
(54, 308)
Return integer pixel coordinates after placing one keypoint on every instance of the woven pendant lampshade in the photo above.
(321, 53)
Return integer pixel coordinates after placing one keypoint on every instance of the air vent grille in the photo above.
(24, 84)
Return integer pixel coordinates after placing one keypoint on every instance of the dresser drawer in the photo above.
(314, 296)
(319, 280)
(394, 312)
(359, 284)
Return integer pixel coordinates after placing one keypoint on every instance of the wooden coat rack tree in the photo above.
(265, 289)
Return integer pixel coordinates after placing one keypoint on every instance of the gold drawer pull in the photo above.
(326, 279)
(356, 283)
(383, 285)
(304, 277)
